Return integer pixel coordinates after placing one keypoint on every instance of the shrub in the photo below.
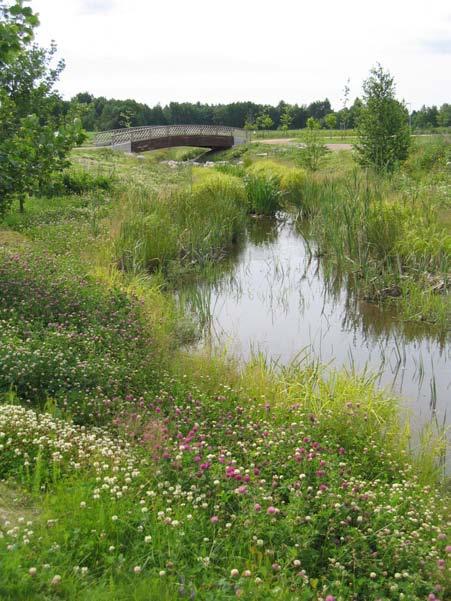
(76, 181)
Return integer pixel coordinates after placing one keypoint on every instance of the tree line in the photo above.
(432, 116)
(100, 113)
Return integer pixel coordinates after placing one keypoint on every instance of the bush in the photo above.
(76, 181)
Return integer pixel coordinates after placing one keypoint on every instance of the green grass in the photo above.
(190, 227)
(206, 479)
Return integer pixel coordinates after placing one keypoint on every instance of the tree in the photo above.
(444, 115)
(37, 129)
(319, 109)
(331, 120)
(314, 149)
(264, 121)
(382, 124)
(425, 118)
(286, 118)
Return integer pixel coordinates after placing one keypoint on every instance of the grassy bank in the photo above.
(141, 472)
(391, 234)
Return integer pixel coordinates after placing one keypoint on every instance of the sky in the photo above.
(223, 51)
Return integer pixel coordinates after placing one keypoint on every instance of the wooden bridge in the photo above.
(139, 139)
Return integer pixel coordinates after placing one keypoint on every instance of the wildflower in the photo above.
(372, 574)
(56, 580)
(137, 569)
(257, 507)
(272, 510)
(214, 519)
(234, 573)
(32, 571)
(162, 573)
(330, 598)
(82, 505)
(296, 563)
(114, 518)
(147, 539)
(247, 573)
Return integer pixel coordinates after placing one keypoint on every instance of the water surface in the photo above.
(275, 298)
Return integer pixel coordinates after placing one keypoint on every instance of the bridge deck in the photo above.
(139, 139)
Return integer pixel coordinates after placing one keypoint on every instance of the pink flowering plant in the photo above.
(129, 471)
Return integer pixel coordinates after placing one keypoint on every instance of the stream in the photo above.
(274, 297)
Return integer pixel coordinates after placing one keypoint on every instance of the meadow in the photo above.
(132, 468)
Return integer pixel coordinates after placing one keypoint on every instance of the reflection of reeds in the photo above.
(394, 244)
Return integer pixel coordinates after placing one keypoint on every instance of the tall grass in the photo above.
(391, 240)
(186, 227)
(270, 185)
(263, 194)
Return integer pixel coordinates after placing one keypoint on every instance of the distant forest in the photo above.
(101, 113)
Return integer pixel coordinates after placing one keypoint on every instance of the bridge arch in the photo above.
(152, 137)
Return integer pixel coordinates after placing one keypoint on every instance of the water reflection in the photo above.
(275, 296)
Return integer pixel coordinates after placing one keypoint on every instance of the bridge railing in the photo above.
(149, 132)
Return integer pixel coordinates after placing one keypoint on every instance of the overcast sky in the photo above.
(221, 51)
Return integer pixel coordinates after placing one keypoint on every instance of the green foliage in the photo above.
(388, 241)
(444, 115)
(425, 118)
(382, 127)
(63, 336)
(331, 120)
(190, 227)
(314, 149)
(292, 184)
(17, 23)
(205, 481)
(286, 118)
(183, 497)
(35, 136)
(428, 158)
(270, 183)
(100, 113)
(263, 193)
(264, 121)
(76, 181)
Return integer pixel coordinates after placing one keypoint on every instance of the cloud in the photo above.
(92, 7)
(438, 45)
